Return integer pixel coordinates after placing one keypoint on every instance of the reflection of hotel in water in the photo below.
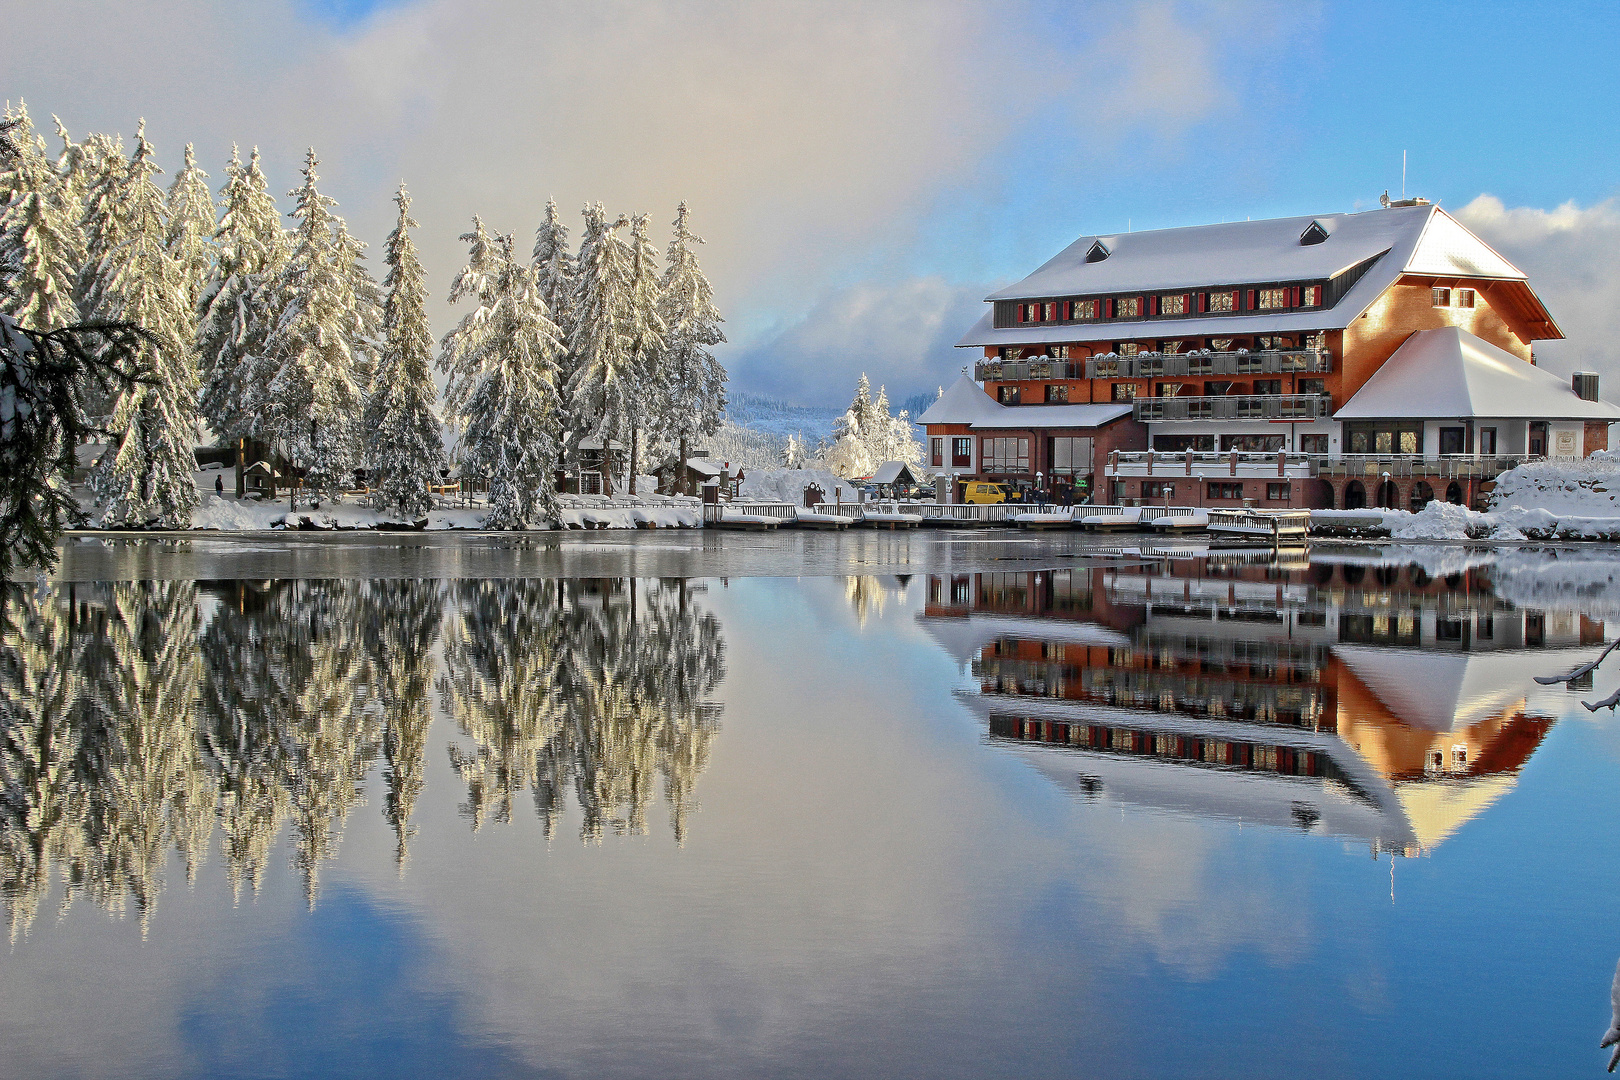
(1351, 698)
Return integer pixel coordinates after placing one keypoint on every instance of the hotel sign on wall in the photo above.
(1564, 444)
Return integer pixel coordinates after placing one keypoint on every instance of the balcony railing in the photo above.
(1233, 407)
(1211, 364)
(1024, 370)
(1448, 467)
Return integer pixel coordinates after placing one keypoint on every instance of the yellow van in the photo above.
(977, 491)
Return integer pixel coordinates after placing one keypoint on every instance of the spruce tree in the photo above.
(646, 332)
(99, 170)
(303, 392)
(146, 475)
(502, 392)
(402, 424)
(191, 227)
(554, 268)
(41, 243)
(237, 308)
(602, 388)
(695, 382)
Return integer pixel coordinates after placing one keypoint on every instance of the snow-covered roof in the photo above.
(890, 472)
(1449, 373)
(596, 444)
(965, 402)
(703, 465)
(1418, 240)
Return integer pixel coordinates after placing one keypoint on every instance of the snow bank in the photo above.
(630, 512)
(1576, 489)
(787, 485)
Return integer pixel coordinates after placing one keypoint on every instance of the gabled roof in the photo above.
(1449, 373)
(965, 402)
(1423, 241)
(890, 472)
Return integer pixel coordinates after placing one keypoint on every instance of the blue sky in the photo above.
(866, 173)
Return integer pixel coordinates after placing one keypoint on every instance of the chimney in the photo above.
(1585, 385)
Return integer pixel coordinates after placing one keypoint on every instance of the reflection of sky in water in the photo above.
(870, 884)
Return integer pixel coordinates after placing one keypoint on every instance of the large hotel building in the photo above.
(1380, 358)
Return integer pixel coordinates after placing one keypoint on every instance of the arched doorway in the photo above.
(1422, 495)
(1355, 496)
(1388, 495)
(1454, 493)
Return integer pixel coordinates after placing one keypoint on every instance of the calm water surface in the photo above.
(694, 805)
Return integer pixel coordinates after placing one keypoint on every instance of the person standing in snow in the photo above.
(219, 486)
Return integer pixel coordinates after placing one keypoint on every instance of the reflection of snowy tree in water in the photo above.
(100, 766)
(596, 685)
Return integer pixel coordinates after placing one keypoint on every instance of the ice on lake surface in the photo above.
(930, 804)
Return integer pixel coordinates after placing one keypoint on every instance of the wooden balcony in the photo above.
(1210, 365)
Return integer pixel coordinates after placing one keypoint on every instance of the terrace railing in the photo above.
(1233, 407)
(1202, 365)
(1448, 466)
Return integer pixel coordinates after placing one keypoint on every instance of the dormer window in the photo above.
(1314, 234)
(1097, 253)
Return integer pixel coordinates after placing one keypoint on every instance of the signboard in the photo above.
(1566, 444)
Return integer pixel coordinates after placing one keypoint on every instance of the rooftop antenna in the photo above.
(1403, 174)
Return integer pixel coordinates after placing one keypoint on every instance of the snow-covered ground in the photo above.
(1565, 500)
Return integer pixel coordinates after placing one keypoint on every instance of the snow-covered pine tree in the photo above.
(99, 170)
(646, 331)
(502, 392)
(554, 269)
(402, 423)
(238, 307)
(41, 243)
(146, 474)
(695, 382)
(303, 392)
(602, 389)
(191, 227)
(365, 302)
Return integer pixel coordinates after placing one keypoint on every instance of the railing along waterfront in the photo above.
(1160, 365)
(714, 512)
(1233, 407)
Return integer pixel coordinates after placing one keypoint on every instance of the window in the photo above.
(1312, 386)
(1049, 312)
(1057, 394)
(1170, 348)
(1125, 391)
(1465, 298)
(961, 452)
(1310, 296)
(1127, 348)
(1220, 344)
(1167, 389)
(1010, 352)
(1487, 441)
(1129, 307)
(1278, 492)
(1223, 301)
(1268, 386)
(1173, 305)
(937, 452)
(1440, 297)
(1084, 309)
(1005, 455)
(1058, 352)
(1008, 394)
(1224, 491)
(1176, 444)
(1271, 299)
(1070, 455)
(1254, 444)
(1313, 444)
(1158, 489)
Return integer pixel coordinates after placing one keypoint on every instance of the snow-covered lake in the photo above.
(927, 804)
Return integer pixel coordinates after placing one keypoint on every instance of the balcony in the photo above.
(1289, 465)
(1448, 467)
(1302, 407)
(1211, 364)
(1023, 370)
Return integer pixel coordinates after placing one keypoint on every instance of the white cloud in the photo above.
(813, 140)
(1568, 253)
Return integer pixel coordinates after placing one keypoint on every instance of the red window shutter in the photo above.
(1107, 308)
(1187, 302)
(1142, 304)
(1253, 300)
(1203, 302)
